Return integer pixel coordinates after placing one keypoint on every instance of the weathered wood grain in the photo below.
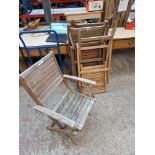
(79, 79)
(55, 115)
(77, 111)
(36, 65)
(44, 79)
(85, 114)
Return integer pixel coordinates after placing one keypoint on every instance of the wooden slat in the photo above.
(93, 67)
(84, 95)
(39, 76)
(91, 63)
(71, 108)
(44, 79)
(35, 78)
(91, 43)
(90, 54)
(77, 109)
(89, 33)
(94, 71)
(91, 60)
(68, 104)
(47, 67)
(61, 100)
(45, 82)
(55, 116)
(97, 75)
(52, 86)
(84, 29)
(41, 67)
(36, 65)
(96, 38)
(96, 29)
(82, 110)
(85, 114)
(94, 47)
(60, 108)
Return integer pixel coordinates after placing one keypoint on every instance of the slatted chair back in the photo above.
(109, 23)
(98, 31)
(88, 30)
(42, 77)
(87, 44)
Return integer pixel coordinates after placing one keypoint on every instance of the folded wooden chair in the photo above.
(67, 108)
(98, 71)
(98, 29)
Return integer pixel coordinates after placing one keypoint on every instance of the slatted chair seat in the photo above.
(75, 107)
(68, 109)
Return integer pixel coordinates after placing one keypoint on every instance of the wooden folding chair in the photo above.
(94, 68)
(101, 29)
(67, 108)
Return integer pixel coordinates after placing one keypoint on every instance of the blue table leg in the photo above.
(39, 50)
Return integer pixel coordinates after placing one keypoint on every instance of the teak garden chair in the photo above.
(67, 108)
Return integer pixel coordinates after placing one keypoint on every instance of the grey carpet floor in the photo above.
(110, 130)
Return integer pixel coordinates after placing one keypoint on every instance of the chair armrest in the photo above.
(55, 116)
(79, 79)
